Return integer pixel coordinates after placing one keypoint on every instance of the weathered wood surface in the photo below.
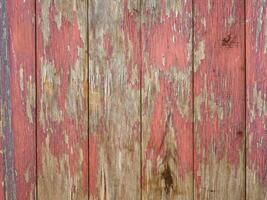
(17, 96)
(167, 137)
(219, 99)
(114, 99)
(62, 100)
(175, 90)
(256, 43)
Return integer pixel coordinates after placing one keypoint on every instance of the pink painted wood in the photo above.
(256, 57)
(167, 137)
(219, 99)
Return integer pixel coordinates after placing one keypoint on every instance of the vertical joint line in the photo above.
(36, 96)
(245, 88)
(88, 99)
(193, 96)
(141, 119)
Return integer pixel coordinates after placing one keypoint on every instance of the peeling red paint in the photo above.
(167, 100)
(157, 125)
(66, 48)
(219, 92)
(107, 46)
(22, 56)
(93, 160)
(210, 79)
(256, 92)
(67, 134)
(164, 42)
(131, 29)
(159, 128)
(152, 48)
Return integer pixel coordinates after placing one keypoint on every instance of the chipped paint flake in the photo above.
(199, 55)
(21, 79)
(259, 22)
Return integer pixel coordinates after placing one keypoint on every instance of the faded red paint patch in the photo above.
(93, 167)
(219, 94)
(221, 124)
(256, 89)
(22, 57)
(131, 29)
(158, 127)
(107, 46)
(2, 190)
(165, 40)
(257, 148)
(166, 47)
(165, 112)
(67, 135)
(62, 50)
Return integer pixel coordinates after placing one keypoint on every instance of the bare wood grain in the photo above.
(167, 142)
(114, 94)
(62, 100)
(219, 100)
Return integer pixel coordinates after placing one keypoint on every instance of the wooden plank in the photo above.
(256, 43)
(219, 99)
(17, 88)
(62, 100)
(167, 142)
(114, 99)
(8, 188)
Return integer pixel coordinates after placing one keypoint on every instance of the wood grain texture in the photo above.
(18, 99)
(167, 142)
(8, 185)
(62, 100)
(219, 99)
(114, 94)
(256, 42)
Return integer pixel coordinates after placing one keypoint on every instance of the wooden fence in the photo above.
(133, 99)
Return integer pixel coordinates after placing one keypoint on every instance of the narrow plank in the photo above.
(256, 43)
(114, 99)
(167, 142)
(8, 186)
(18, 99)
(62, 100)
(219, 99)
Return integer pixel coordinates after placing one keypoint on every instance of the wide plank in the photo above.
(219, 100)
(167, 137)
(114, 99)
(62, 100)
(17, 96)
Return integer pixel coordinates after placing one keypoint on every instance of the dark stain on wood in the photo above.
(229, 41)
(168, 180)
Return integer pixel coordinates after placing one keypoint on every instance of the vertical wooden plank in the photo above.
(167, 142)
(256, 42)
(8, 186)
(219, 99)
(21, 18)
(18, 98)
(114, 99)
(62, 100)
